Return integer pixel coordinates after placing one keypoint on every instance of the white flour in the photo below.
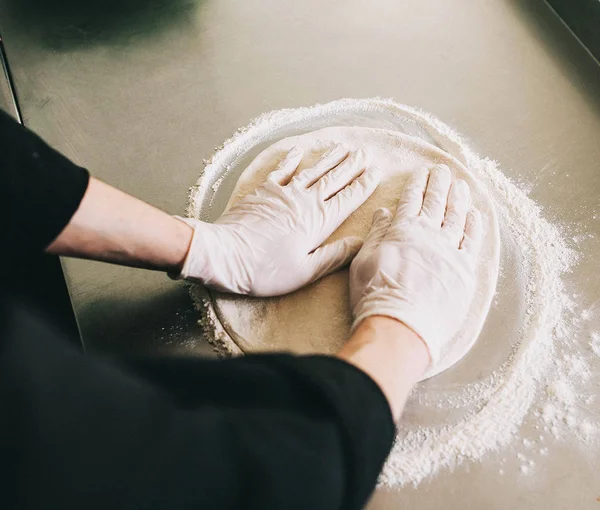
(544, 368)
(595, 343)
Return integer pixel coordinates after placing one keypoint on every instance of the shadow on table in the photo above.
(580, 67)
(63, 25)
(165, 323)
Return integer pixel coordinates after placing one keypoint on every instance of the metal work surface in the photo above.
(141, 94)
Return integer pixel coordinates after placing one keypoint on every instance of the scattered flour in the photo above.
(217, 183)
(543, 369)
(595, 343)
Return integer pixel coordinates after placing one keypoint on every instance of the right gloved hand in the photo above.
(418, 266)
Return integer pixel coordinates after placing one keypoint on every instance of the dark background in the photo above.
(583, 17)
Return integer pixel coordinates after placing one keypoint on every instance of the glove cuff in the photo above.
(195, 257)
(407, 315)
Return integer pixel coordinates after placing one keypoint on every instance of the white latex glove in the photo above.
(418, 266)
(269, 243)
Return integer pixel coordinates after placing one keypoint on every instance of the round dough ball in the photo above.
(317, 318)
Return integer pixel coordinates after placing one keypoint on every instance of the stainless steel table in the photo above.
(140, 94)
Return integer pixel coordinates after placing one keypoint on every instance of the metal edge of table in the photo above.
(582, 17)
(8, 98)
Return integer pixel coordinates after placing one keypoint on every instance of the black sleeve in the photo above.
(41, 190)
(261, 432)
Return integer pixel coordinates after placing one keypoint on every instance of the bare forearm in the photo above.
(113, 226)
(391, 354)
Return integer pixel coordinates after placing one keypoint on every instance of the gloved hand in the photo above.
(418, 266)
(269, 243)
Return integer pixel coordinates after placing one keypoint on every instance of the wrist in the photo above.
(380, 326)
(188, 232)
(184, 234)
(391, 354)
(209, 258)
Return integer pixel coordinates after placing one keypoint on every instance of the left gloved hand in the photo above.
(270, 242)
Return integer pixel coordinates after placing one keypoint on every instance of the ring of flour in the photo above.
(491, 404)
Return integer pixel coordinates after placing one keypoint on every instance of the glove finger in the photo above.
(330, 159)
(345, 173)
(436, 194)
(287, 166)
(459, 203)
(344, 203)
(382, 220)
(473, 234)
(411, 199)
(330, 257)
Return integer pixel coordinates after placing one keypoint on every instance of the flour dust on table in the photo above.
(522, 366)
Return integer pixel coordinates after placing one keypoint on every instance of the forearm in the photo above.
(391, 354)
(112, 226)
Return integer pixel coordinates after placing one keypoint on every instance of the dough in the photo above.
(317, 319)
